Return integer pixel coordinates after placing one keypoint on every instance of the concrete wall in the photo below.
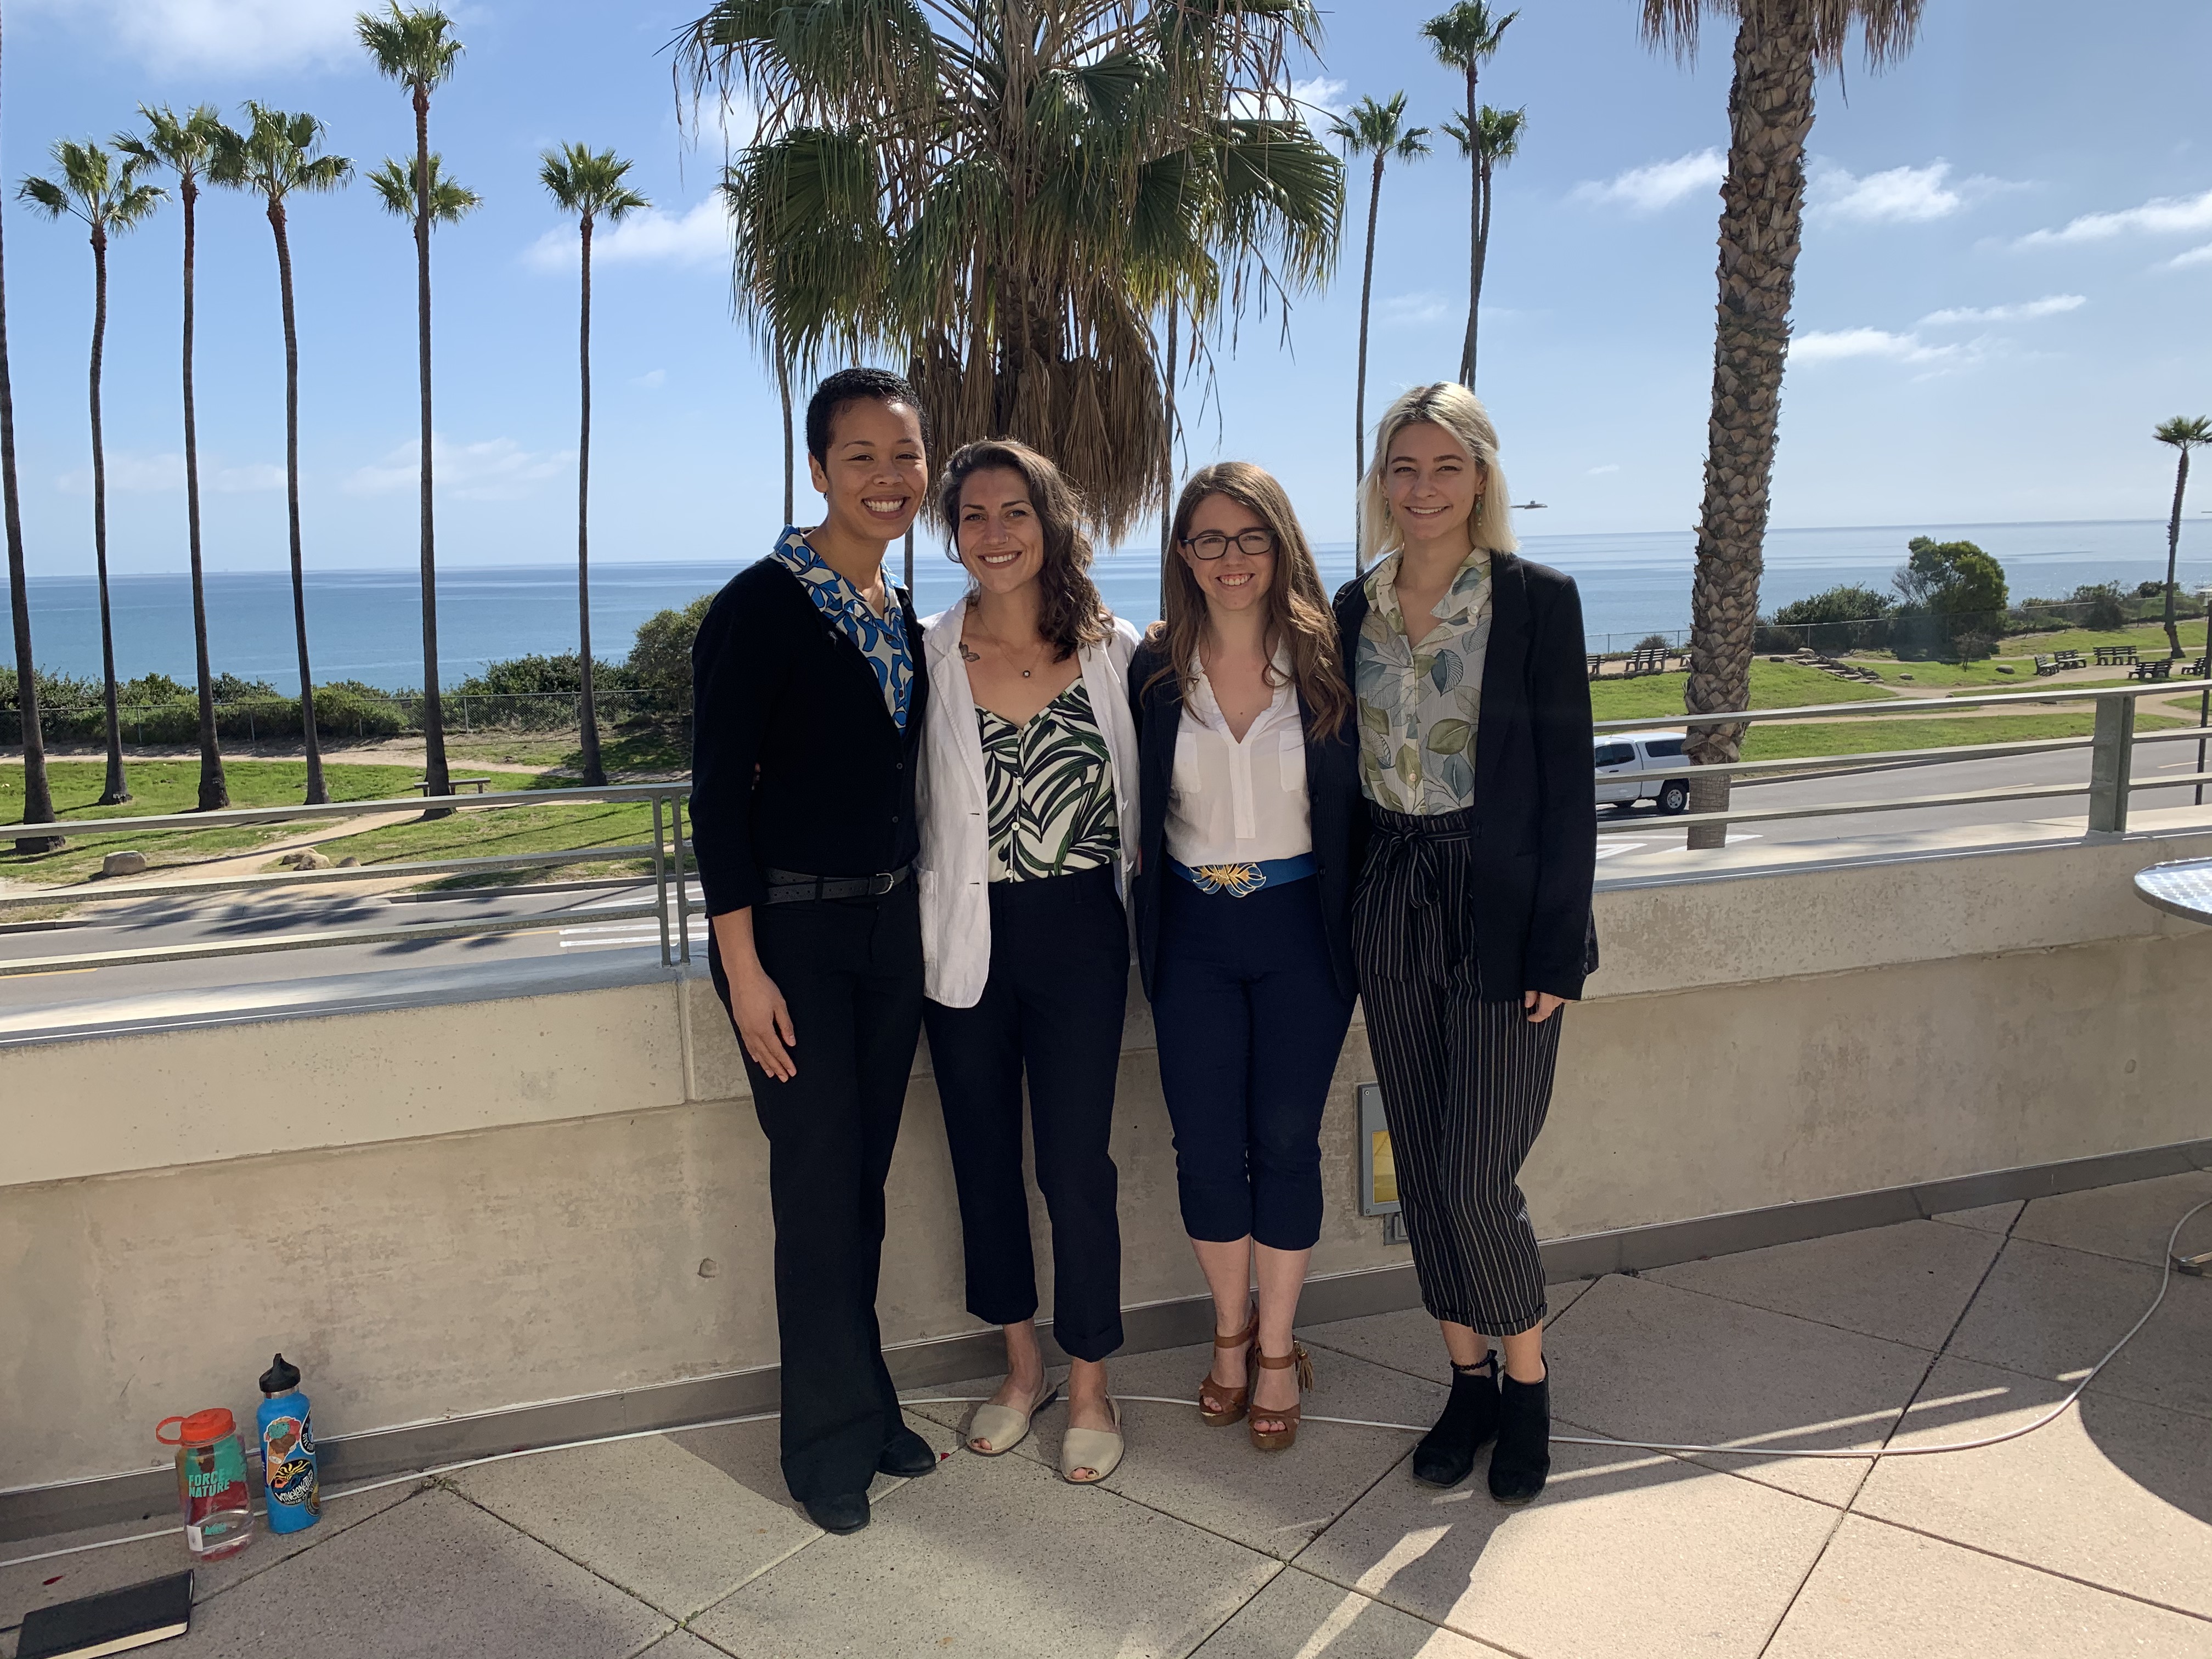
(457, 1209)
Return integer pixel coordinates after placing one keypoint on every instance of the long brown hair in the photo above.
(1070, 613)
(1298, 616)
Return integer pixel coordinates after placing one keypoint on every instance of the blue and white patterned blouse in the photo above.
(1419, 704)
(882, 639)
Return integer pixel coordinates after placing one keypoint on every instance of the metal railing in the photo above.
(2111, 783)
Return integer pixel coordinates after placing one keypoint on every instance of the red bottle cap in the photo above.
(199, 1428)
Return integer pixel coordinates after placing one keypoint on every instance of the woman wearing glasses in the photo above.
(1472, 924)
(1248, 835)
(1031, 776)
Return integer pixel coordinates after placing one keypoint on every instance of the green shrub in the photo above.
(661, 660)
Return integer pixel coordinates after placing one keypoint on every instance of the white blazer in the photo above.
(953, 874)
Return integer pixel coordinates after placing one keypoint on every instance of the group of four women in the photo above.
(956, 823)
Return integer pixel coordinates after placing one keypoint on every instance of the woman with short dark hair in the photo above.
(1028, 820)
(810, 703)
(1472, 924)
(1250, 835)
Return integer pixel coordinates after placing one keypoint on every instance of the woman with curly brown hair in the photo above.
(1249, 845)
(1029, 791)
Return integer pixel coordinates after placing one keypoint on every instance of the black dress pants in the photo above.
(1053, 1006)
(850, 972)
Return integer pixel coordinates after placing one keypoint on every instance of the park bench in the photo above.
(2045, 665)
(2114, 656)
(2069, 659)
(2151, 668)
(423, 786)
(1597, 667)
(1647, 662)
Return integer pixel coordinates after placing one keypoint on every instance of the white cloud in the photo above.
(217, 34)
(1314, 101)
(651, 378)
(138, 475)
(1657, 186)
(2051, 304)
(2165, 214)
(249, 479)
(1600, 471)
(497, 470)
(1900, 195)
(701, 236)
(1408, 310)
(1820, 346)
(2196, 256)
(723, 127)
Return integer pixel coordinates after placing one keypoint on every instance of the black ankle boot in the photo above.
(1523, 1457)
(1446, 1454)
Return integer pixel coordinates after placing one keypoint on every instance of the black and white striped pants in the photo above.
(1466, 1082)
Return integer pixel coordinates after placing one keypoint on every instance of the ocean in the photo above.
(366, 624)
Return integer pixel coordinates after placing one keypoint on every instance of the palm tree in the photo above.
(1494, 140)
(1002, 197)
(1781, 45)
(38, 793)
(416, 49)
(2184, 433)
(590, 186)
(1465, 38)
(110, 200)
(1380, 131)
(184, 146)
(274, 158)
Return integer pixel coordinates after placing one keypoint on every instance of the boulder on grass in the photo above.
(125, 863)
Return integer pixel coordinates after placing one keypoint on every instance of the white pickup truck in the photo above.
(1624, 758)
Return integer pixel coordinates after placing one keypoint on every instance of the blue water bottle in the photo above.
(287, 1451)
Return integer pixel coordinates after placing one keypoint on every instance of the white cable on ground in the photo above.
(1867, 1454)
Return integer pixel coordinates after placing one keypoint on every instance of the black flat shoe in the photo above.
(846, 1512)
(1446, 1454)
(1522, 1460)
(906, 1453)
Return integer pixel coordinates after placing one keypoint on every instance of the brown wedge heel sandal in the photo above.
(1284, 1438)
(1219, 1405)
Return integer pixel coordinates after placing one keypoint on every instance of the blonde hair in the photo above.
(1298, 616)
(1459, 412)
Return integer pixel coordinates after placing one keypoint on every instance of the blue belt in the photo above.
(1242, 880)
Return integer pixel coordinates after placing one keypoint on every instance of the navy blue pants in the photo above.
(1053, 1008)
(1250, 1023)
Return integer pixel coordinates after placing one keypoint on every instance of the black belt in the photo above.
(796, 887)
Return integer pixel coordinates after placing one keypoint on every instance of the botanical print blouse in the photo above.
(1051, 784)
(1419, 704)
(882, 639)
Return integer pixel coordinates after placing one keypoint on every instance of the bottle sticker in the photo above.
(288, 1464)
(222, 1467)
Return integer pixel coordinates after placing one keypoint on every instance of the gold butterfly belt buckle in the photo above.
(1237, 880)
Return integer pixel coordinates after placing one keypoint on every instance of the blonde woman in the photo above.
(1250, 838)
(1028, 820)
(1472, 922)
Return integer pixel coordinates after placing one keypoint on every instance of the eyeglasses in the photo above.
(1252, 544)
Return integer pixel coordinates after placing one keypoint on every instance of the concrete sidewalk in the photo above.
(2092, 1537)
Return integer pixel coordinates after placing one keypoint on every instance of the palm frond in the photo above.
(412, 45)
(275, 156)
(1887, 27)
(395, 183)
(109, 199)
(588, 183)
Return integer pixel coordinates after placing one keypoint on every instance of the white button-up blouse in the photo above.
(1239, 803)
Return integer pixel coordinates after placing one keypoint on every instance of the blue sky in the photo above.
(2006, 282)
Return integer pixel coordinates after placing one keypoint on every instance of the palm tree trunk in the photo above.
(783, 389)
(311, 740)
(1168, 372)
(1762, 219)
(2173, 556)
(1366, 295)
(37, 793)
(115, 791)
(595, 774)
(214, 793)
(1474, 236)
(1485, 182)
(436, 780)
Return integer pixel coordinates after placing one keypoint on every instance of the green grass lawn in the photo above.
(1854, 737)
(552, 827)
(162, 788)
(1958, 677)
(1773, 685)
(2146, 637)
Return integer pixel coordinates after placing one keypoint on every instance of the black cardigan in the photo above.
(796, 764)
(1535, 801)
(1332, 798)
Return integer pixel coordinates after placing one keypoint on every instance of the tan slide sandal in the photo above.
(1097, 1450)
(1002, 1428)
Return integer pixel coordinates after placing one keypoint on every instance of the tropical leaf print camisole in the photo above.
(1051, 785)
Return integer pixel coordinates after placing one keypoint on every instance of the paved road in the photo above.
(578, 943)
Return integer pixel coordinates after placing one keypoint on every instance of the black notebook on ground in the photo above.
(135, 1617)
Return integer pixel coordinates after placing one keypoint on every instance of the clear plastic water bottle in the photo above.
(210, 1481)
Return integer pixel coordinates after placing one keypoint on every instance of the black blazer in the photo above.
(796, 764)
(1535, 796)
(1332, 798)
